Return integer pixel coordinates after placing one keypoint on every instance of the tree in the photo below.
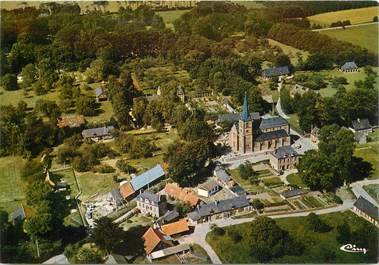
(106, 234)
(48, 108)
(343, 233)
(282, 60)
(9, 82)
(29, 75)
(139, 108)
(315, 223)
(246, 171)
(193, 130)
(183, 208)
(123, 165)
(257, 204)
(86, 106)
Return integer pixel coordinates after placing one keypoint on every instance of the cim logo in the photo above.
(353, 249)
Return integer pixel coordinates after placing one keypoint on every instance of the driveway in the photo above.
(357, 188)
(278, 105)
(201, 230)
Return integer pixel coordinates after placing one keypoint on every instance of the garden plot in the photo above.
(136, 220)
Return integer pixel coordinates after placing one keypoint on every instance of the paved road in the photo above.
(349, 26)
(278, 105)
(201, 230)
(357, 188)
(59, 259)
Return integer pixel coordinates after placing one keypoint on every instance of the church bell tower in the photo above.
(245, 129)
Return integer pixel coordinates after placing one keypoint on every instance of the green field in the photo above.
(170, 16)
(271, 182)
(231, 252)
(356, 16)
(289, 50)
(294, 122)
(365, 36)
(12, 194)
(294, 179)
(370, 153)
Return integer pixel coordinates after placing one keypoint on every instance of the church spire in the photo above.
(245, 115)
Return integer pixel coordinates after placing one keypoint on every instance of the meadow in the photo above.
(170, 16)
(290, 51)
(356, 16)
(365, 36)
(314, 243)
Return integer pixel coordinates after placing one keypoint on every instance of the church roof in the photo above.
(245, 115)
(272, 122)
(271, 135)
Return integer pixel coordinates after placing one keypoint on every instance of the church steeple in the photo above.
(245, 115)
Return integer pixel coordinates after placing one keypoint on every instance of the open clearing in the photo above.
(170, 16)
(356, 16)
(12, 194)
(289, 50)
(231, 252)
(365, 36)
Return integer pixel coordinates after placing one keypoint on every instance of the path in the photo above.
(201, 230)
(348, 26)
(357, 188)
(58, 259)
(278, 105)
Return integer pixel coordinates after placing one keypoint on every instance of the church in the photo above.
(253, 133)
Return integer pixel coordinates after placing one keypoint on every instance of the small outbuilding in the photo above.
(208, 188)
(275, 71)
(100, 94)
(349, 67)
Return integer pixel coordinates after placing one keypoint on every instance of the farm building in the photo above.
(173, 190)
(208, 188)
(367, 210)
(98, 134)
(275, 71)
(222, 176)
(349, 67)
(219, 209)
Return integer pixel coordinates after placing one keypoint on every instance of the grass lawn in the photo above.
(136, 220)
(373, 190)
(12, 194)
(356, 16)
(311, 202)
(170, 16)
(13, 97)
(370, 153)
(245, 183)
(294, 179)
(294, 122)
(351, 78)
(289, 50)
(231, 252)
(95, 183)
(365, 36)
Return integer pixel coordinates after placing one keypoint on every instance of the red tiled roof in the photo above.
(175, 227)
(152, 238)
(173, 190)
(126, 190)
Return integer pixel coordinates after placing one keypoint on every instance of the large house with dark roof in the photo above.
(151, 204)
(284, 158)
(256, 135)
(361, 128)
(98, 134)
(349, 67)
(275, 71)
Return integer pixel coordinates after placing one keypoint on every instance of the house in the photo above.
(144, 180)
(100, 94)
(98, 134)
(180, 93)
(223, 177)
(175, 228)
(21, 213)
(155, 240)
(71, 121)
(284, 158)
(275, 71)
(361, 128)
(116, 198)
(208, 188)
(292, 192)
(298, 89)
(219, 209)
(367, 210)
(151, 204)
(349, 67)
(174, 191)
(168, 217)
(315, 134)
(250, 135)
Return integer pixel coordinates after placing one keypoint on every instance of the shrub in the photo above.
(9, 82)
(257, 204)
(125, 167)
(235, 236)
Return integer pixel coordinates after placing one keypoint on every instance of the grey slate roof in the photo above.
(272, 122)
(99, 91)
(208, 185)
(147, 177)
(233, 117)
(245, 115)
(349, 66)
(220, 173)
(276, 71)
(116, 195)
(97, 132)
(359, 124)
(153, 198)
(271, 135)
(219, 207)
(168, 216)
(284, 151)
(293, 192)
(367, 207)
